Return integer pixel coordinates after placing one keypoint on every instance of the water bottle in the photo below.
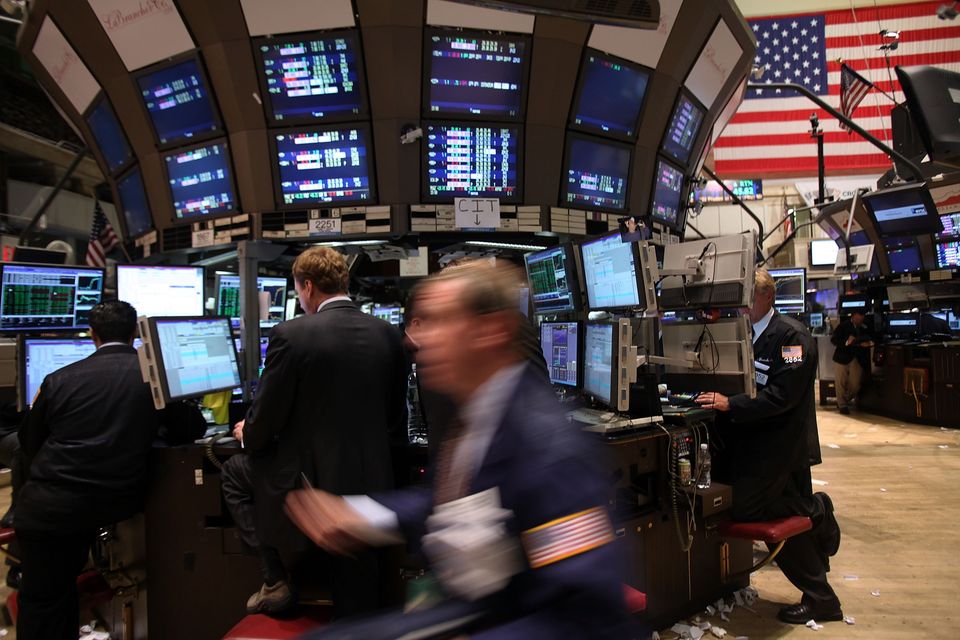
(703, 481)
(416, 425)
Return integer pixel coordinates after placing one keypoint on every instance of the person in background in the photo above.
(851, 358)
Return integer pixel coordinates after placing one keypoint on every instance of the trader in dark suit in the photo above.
(851, 357)
(85, 444)
(333, 388)
(514, 523)
(766, 445)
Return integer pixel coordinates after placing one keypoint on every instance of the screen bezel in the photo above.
(824, 264)
(914, 246)
(122, 216)
(915, 316)
(168, 267)
(576, 290)
(425, 161)
(803, 290)
(103, 100)
(614, 363)
(565, 168)
(900, 228)
(637, 267)
(275, 166)
(194, 55)
(578, 94)
(23, 402)
(233, 181)
(264, 324)
(287, 38)
(61, 267)
(428, 32)
(662, 149)
(936, 250)
(681, 222)
(580, 343)
(158, 352)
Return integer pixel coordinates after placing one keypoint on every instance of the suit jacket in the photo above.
(86, 441)
(333, 387)
(545, 470)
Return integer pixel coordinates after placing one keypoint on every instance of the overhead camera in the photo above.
(947, 11)
(410, 133)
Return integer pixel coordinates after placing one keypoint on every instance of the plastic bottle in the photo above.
(683, 468)
(703, 481)
(416, 425)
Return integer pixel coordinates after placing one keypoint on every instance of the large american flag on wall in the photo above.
(769, 134)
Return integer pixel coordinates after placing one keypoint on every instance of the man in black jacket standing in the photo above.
(85, 444)
(851, 358)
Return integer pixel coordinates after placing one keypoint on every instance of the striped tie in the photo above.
(451, 483)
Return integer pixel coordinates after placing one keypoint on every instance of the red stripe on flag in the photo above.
(774, 139)
(799, 165)
(913, 60)
(874, 40)
(748, 117)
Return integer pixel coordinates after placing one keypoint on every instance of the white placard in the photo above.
(202, 238)
(65, 66)
(415, 265)
(323, 226)
(442, 13)
(143, 31)
(639, 45)
(477, 213)
(289, 16)
(715, 64)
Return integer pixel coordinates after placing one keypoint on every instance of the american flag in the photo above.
(102, 239)
(567, 537)
(853, 89)
(769, 135)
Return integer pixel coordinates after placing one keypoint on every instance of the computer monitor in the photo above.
(951, 225)
(109, 135)
(717, 272)
(323, 166)
(609, 95)
(599, 357)
(475, 75)
(42, 356)
(614, 274)
(134, 204)
(903, 324)
(161, 290)
(717, 356)
(472, 160)
(815, 320)
(178, 100)
(908, 296)
(191, 357)
(48, 297)
(264, 343)
(854, 303)
(201, 180)
(953, 320)
(306, 78)
(596, 173)
(791, 290)
(667, 205)
(683, 129)
(392, 313)
(861, 260)
(903, 210)
(561, 344)
(903, 254)
(823, 253)
(228, 298)
(36, 255)
(746, 189)
(931, 96)
(948, 254)
(554, 281)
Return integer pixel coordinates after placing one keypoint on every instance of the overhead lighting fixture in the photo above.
(504, 245)
(349, 243)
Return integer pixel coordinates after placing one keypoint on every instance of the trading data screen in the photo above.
(43, 356)
(667, 189)
(198, 356)
(313, 78)
(597, 173)
(44, 298)
(320, 166)
(552, 278)
(178, 102)
(903, 254)
(228, 299)
(610, 95)
(951, 225)
(106, 129)
(610, 273)
(133, 202)
(475, 75)
(598, 361)
(683, 129)
(161, 291)
(790, 289)
(472, 160)
(200, 181)
(559, 341)
(948, 254)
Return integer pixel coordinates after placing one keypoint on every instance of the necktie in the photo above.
(451, 481)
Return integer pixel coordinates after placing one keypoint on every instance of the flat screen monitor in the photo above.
(609, 95)
(684, 127)
(36, 255)
(561, 344)
(161, 291)
(747, 189)
(903, 324)
(597, 173)
(823, 253)
(932, 98)
(472, 160)
(391, 313)
(48, 297)
(859, 239)
(42, 356)
(902, 210)
(475, 75)
(134, 203)
(948, 254)
(816, 320)
(667, 195)
(723, 273)
(611, 273)
(323, 166)
(553, 278)
(109, 135)
(311, 77)
(953, 320)
(228, 298)
(791, 287)
(903, 254)
(195, 356)
(178, 101)
(849, 304)
(264, 343)
(201, 181)
(599, 351)
(951, 225)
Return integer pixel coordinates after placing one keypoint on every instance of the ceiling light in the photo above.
(504, 245)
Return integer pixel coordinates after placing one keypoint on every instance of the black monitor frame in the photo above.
(24, 402)
(909, 226)
(121, 215)
(581, 337)
(218, 285)
(644, 302)
(662, 150)
(103, 99)
(30, 330)
(577, 135)
(936, 247)
(681, 222)
(915, 316)
(574, 284)
(578, 94)
(233, 181)
(931, 114)
(614, 363)
(803, 293)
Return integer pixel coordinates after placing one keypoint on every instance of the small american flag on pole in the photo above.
(853, 88)
(103, 238)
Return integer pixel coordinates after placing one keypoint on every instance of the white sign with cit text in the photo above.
(477, 213)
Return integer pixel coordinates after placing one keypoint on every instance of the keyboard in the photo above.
(591, 416)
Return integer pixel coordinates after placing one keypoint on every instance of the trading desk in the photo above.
(917, 382)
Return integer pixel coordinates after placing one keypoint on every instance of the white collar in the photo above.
(333, 299)
(761, 325)
(112, 344)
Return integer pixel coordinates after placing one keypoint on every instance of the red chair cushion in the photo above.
(258, 626)
(7, 536)
(770, 531)
(636, 600)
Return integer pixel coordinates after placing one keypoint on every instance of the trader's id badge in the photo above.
(792, 354)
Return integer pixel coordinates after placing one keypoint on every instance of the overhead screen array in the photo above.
(464, 160)
(178, 101)
(323, 166)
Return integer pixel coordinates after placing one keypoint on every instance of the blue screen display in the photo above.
(597, 173)
(477, 75)
(178, 102)
(667, 187)
(683, 129)
(200, 181)
(610, 96)
(106, 131)
(133, 203)
(903, 254)
(951, 225)
(948, 254)
(313, 78)
(472, 160)
(324, 165)
(559, 341)
(598, 362)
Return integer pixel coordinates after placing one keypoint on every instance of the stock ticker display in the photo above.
(200, 181)
(318, 166)
(597, 173)
(683, 129)
(610, 96)
(472, 160)
(178, 102)
(38, 297)
(667, 189)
